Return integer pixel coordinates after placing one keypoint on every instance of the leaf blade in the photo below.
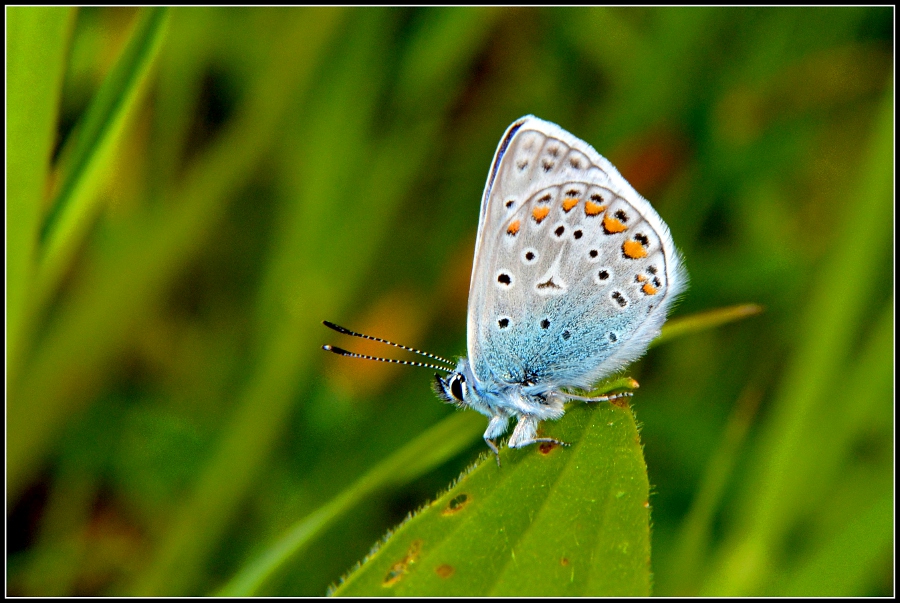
(552, 521)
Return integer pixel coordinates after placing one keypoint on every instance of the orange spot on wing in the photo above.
(649, 289)
(633, 250)
(612, 225)
(568, 204)
(593, 209)
(539, 213)
(513, 228)
(641, 278)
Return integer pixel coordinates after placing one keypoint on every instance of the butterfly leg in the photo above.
(495, 429)
(525, 433)
(599, 398)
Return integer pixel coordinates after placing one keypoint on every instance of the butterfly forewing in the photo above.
(570, 280)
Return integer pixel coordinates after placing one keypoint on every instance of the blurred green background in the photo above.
(191, 192)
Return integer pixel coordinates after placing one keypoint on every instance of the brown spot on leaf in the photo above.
(456, 504)
(621, 402)
(401, 568)
(397, 571)
(547, 447)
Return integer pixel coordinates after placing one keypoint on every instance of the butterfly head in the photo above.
(456, 388)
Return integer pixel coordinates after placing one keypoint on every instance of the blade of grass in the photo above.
(88, 157)
(59, 550)
(708, 319)
(853, 552)
(37, 40)
(778, 483)
(183, 63)
(845, 564)
(286, 355)
(435, 62)
(307, 256)
(126, 285)
(697, 527)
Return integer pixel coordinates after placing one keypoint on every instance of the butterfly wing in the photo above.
(574, 271)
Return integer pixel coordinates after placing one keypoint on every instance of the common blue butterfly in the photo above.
(574, 274)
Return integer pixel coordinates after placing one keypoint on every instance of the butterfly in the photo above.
(573, 277)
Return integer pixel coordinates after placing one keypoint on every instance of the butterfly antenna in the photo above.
(343, 352)
(341, 329)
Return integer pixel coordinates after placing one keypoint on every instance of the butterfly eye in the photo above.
(458, 386)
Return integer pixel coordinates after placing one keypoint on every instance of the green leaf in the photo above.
(551, 521)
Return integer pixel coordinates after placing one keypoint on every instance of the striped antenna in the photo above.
(341, 329)
(343, 352)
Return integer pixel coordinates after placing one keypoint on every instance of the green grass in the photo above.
(192, 191)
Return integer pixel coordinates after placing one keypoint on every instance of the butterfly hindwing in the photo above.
(573, 272)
